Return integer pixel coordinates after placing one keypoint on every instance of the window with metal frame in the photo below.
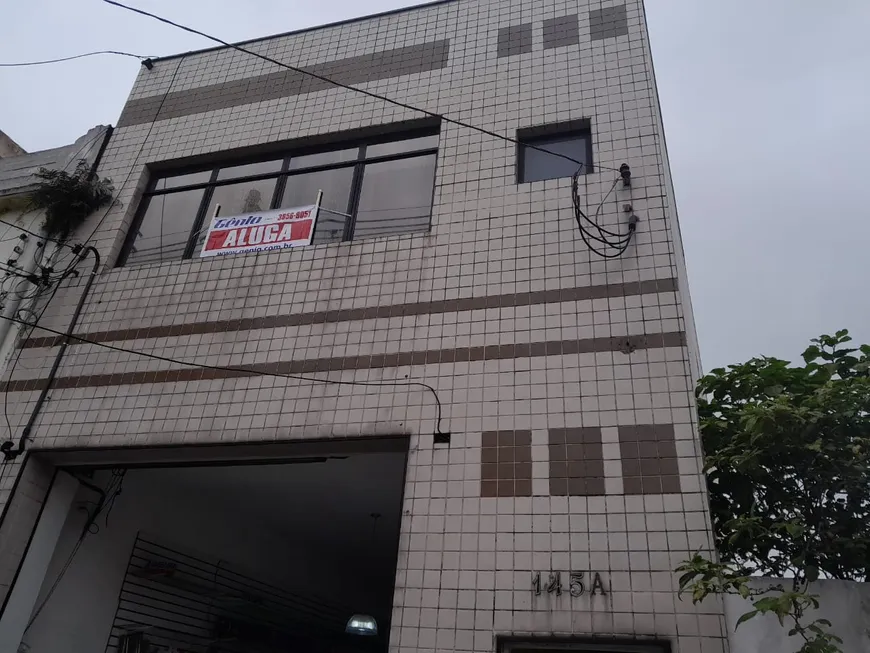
(376, 187)
(572, 140)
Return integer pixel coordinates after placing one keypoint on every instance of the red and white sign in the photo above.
(260, 232)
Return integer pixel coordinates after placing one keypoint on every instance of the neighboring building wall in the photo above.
(8, 147)
(531, 342)
(20, 250)
(844, 603)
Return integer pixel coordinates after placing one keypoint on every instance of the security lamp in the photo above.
(362, 624)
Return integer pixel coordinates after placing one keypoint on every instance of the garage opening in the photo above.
(275, 556)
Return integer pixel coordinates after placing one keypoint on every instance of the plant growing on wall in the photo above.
(787, 453)
(69, 198)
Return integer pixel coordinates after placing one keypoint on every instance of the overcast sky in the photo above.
(767, 115)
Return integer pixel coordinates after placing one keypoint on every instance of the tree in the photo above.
(787, 459)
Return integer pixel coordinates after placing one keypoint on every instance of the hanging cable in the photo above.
(138, 154)
(77, 56)
(106, 502)
(612, 244)
(328, 80)
(244, 370)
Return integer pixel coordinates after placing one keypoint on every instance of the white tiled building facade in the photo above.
(565, 379)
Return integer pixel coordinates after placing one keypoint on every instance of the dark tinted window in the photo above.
(369, 189)
(396, 197)
(336, 184)
(537, 165)
(165, 229)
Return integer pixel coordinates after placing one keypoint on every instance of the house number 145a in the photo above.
(579, 583)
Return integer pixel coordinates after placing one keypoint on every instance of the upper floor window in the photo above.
(572, 140)
(371, 188)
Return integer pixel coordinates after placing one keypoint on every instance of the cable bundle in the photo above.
(613, 243)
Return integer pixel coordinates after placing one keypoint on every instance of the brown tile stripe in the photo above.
(372, 361)
(374, 312)
(352, 70)
(506, 464)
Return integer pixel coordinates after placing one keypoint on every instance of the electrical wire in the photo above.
(614, 243)
(111, 493)
(77, 56)
(138, 154)
(619, 246)
(323, 78)
(246, 370)
(70, 270)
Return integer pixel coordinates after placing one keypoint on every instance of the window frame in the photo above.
(535, 135)
(358, 164)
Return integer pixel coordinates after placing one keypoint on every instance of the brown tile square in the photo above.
(489, 455)
(629, 450)
(523, 454)
(489, 471)
(559, 487)
(558, 452)
(558, 469)
(488, 488)
(652, 484)
(630, 467)
(595, 485)
(558, 436)
(523, 488)
(577, 487)
(668, 467)
(523, 471)
(627, 434)
(671, 484)
(523, 438)
(583, 435)
(505, 471)
(506, 454)
(506, 488)
(490, 439)
(632, 485)
(648, 449)
(650, 467)
(667, 449)
(505, 438)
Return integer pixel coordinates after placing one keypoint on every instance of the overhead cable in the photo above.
(328, 80)
(77, 56)
(247, 370)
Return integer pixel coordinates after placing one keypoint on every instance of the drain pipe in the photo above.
(7, 447)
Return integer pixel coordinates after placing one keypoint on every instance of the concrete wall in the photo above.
(535, 341)
(845, 604)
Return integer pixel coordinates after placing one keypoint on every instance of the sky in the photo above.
(766, 107)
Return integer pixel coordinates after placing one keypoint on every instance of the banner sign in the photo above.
(260, 232)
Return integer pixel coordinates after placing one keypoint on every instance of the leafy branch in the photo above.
(787, 453)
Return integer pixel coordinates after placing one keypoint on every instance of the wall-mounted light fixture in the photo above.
(362, 624)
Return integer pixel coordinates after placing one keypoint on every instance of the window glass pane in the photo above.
(323, 158)
(165, 228)
(397, 147)
(183, 180)
(396, 197)
(250, 169)
(301, 190)
(237, 199)
(537, 165)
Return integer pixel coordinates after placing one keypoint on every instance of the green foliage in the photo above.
(787, 454)
(69, 198)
